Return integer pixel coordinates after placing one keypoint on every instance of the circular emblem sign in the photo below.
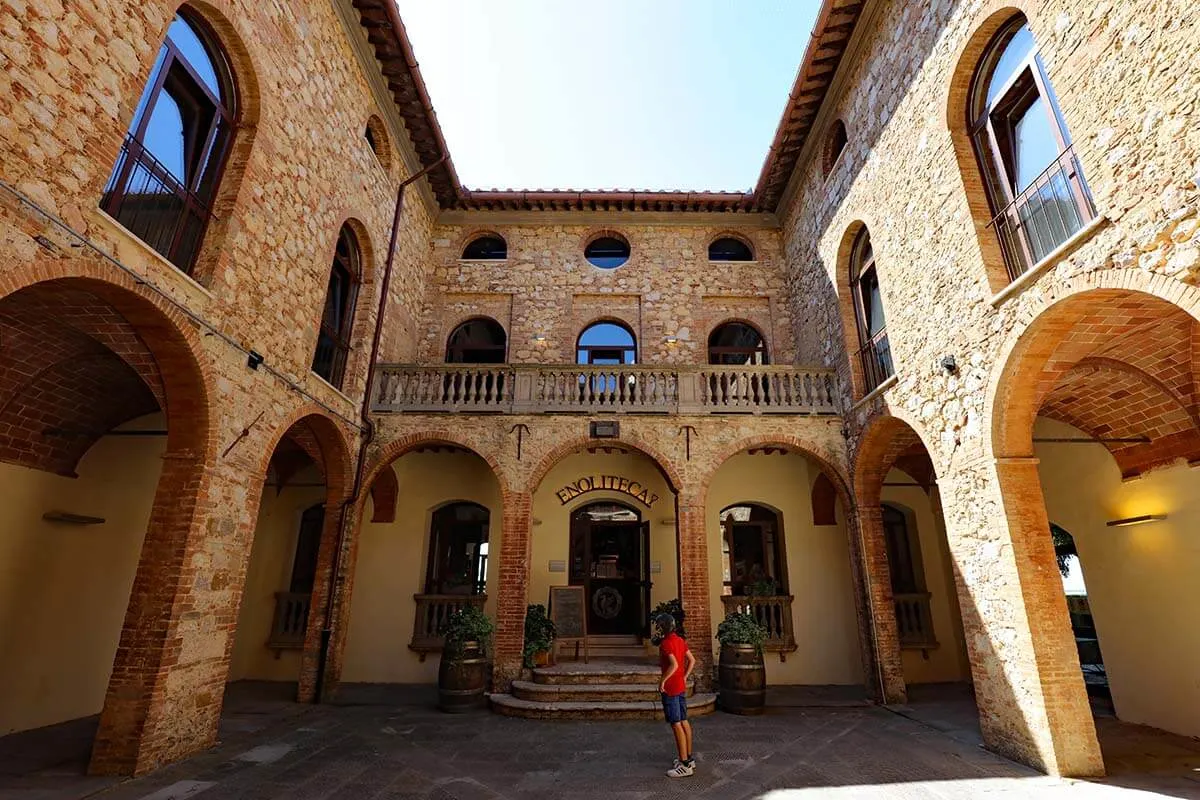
(606, 602)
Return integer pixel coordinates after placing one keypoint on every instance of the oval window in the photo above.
(607, 252)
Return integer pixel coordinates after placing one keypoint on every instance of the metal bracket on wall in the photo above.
(688, 430)
(522, 429)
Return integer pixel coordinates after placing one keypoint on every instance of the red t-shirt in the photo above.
(674, 645)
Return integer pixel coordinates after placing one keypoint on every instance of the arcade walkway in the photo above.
(402, 748)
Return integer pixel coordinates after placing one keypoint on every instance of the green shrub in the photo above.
(741, 628)
(539, 632)
(469, 624)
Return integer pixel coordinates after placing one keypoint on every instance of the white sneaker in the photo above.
(680, 770)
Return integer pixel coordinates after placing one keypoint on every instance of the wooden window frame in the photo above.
(779, 546)
(873, 348)
(339, 339)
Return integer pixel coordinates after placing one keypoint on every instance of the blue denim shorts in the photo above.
(675, 707)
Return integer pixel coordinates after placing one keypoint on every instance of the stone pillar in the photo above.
(883, 669)
(164, 697)
(692, 539)
(1033, 704)
(512, 588)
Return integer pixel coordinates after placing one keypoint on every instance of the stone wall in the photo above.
(1123, 78)
(300, 169)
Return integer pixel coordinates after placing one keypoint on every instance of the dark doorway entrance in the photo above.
(610, 558)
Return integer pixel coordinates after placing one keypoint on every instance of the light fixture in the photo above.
(672, 340)
(539, 337)
(253, 359)
(1138, 520)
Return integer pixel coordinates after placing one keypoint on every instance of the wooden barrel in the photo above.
(743, 679)
(462, 679)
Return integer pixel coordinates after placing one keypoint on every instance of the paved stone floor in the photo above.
(403, 748)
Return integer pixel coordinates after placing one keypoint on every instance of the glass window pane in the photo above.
(1015, 53)
(183, 36)
(165, 135)
(141, 106)
(1034, 144)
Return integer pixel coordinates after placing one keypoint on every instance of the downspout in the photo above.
(368, 432)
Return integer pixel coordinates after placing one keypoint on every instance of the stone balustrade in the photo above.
(774, 613)
(433, 612)
(914, 621)
(569, 388)
(290, 621)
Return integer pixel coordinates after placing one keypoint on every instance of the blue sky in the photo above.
(601, 94)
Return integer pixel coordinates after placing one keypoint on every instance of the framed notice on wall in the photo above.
(568, 611)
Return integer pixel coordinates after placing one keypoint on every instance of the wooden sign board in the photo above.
(568, 612)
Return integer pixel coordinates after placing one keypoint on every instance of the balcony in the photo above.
(290, 621)
(432, 613)
(572, 389)
(914, 621)
(774, 613)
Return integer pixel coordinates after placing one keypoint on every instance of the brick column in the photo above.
(310, 656)
(883, 669)
(164, 697)
(1033, 704)
(692, 538)
(516, 540)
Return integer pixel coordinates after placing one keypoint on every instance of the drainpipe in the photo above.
(368, 431)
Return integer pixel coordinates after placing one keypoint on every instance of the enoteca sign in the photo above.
(606, 483)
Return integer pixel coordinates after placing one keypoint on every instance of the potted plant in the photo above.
(539, 636)
(463, 671)
(742, 676)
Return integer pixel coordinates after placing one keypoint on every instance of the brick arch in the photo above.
(846, 302)
(383, 141)
(808, 449)
(888, 440)
(324, 439)
(994, 15)
(1039, 353)
(409, 442)
(568, 448)
(384, 493)
(367, 252)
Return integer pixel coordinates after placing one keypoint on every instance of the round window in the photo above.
(607, 252)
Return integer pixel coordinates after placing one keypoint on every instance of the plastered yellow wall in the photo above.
(1141, 581)
(64, 588)
(818, 563)
(269, 571)
(392, 560)
(948, 662)
(551, 520)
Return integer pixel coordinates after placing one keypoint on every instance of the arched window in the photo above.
(607, 343)
(914, 620)
(727, 248)
(488, 247)
(166, 176)
(834, 145)
(736, 343)
(1033, 179)
(458, 550)
(333, 343)
(874, 351)
(607, 252)
(476, 341)
(752, 552)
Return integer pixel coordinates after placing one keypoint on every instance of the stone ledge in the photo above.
(1051, 260)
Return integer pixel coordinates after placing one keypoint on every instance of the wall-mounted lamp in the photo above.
(672, 340)
(1139, 520)
(540, 338)
(253, 359)
(949, 364)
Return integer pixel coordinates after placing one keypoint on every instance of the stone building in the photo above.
(957, 307)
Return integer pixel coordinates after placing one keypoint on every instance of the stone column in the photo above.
(168, 681)
(883, 669)
(512, 588)
(1033, 704)
(692, 539)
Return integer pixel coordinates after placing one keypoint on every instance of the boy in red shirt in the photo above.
(677, 663)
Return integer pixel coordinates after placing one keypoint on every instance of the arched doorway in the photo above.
(1098, 390)
(477, 341)
(458, 550)
(609, 557)
(106, 417)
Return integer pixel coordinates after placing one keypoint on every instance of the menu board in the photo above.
(568, 611)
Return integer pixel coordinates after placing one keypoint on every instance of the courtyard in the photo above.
(391, 743)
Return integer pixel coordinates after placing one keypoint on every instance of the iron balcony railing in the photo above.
(1044, 216)
(533, 389)
(152, 204)
(876, 359)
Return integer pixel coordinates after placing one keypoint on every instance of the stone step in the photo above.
(606, 692)
(506, 704)
(597, 672)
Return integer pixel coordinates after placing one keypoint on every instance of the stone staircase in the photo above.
(602, 689)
